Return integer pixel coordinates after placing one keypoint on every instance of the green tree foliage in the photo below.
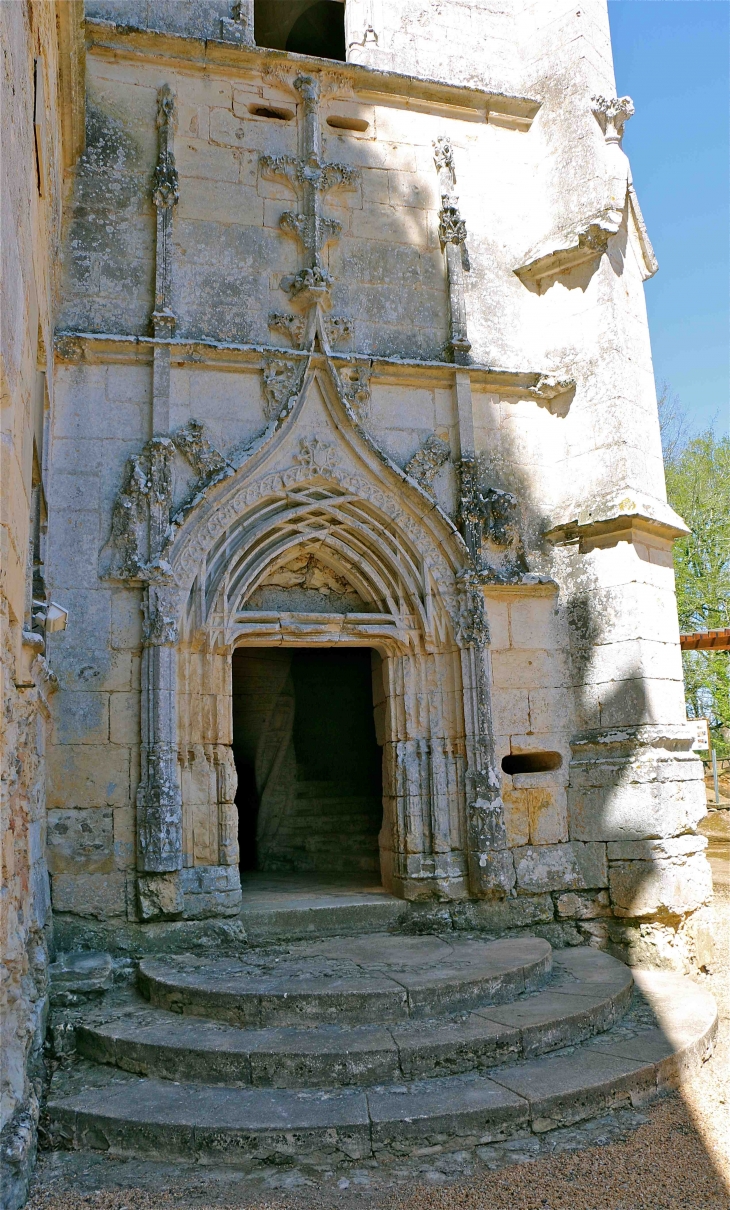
(698, 487)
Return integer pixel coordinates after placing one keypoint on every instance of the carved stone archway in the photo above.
(333, 495)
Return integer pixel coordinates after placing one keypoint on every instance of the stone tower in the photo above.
(353, 354)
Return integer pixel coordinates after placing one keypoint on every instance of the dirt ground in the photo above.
(674, 1155)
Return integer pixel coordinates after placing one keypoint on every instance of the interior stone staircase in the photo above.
(332, 828)
(369, 1045)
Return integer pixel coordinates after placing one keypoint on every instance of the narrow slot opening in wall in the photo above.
(338, 123)
(268, 111)
(302, 27)
(531, 762)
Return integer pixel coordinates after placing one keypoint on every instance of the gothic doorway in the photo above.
(309, 766)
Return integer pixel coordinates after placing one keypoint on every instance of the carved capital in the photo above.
(489, 522)
(612, 113)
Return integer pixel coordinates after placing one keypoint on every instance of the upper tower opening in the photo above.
(302, 26)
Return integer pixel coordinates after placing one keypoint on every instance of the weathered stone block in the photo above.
(81, 841)
(125, 840)
(160, 896)
(548, 815)
(575, 905)
(635, 810)
(78, 977)
(660, 888)
(99, 895)
(656, 850)
(561, 867)
(81, 717)
(516, 817)
(87, 776)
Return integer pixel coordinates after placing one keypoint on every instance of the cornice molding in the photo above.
(500, 109)
(102, 347)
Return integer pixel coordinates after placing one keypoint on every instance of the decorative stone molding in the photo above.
(452, 235)
(428, 460)
(281, 382)
(489, 519)
(338, 328)
(612, 113)
(165, 196)
(355, 384)
(239, 27)
(586, 242)
(293, 326)
(143, 508)
(316, 456)
(621, 513)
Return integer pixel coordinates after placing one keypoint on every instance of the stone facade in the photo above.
(371, 331)
(43, 127)
(387, 314)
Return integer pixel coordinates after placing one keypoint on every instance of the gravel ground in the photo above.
(674, 1155)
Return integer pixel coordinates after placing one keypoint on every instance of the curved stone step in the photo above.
(149, 1118)
(348, 980)
(588, 994)
(277, 909)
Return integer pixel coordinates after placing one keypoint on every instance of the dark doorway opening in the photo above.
(304, 27)
(309, 767)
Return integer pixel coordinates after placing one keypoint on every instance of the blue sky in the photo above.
(672, 57)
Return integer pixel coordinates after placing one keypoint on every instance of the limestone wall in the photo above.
(41, 128)
(555, 401)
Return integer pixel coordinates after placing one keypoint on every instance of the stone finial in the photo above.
(612, 113)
